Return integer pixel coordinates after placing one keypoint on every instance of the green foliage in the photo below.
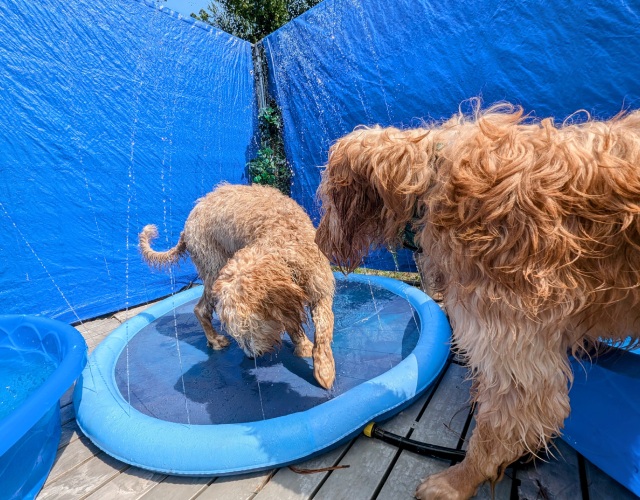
(270, 167)
(252, 20)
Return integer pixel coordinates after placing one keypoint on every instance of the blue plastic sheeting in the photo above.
(605, 406)
(115, 114)
(30, 430)
(155, 396)
(351, 62)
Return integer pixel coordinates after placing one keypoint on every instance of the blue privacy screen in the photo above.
(346, 63)
(605, 406)
(116, 114)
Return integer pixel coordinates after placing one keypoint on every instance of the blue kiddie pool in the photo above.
(39, 360)
(155, 396)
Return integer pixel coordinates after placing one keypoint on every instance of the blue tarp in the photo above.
(114, 115)
(402, 62)
(118, 114)
(603, 424)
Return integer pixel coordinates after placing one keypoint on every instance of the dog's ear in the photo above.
(285, 301)
(351, 207)
(370, 189)
(257, 296)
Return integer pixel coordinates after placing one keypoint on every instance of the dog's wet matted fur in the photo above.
(531, 231)
(254, 250)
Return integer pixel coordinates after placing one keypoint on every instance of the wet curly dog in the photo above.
(532, 233)
(254, 250)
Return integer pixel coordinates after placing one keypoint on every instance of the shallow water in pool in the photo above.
(169, 373)
(20, 375)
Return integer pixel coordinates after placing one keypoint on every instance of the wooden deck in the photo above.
(376, 470)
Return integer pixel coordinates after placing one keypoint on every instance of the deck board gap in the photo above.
(515, 482)
(387, 472)
(203, 488)
(431, 391)
(582, 471)
(273, 473)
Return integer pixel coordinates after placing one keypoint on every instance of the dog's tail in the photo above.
(160, 260)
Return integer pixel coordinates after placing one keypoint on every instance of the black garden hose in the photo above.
(425, 449)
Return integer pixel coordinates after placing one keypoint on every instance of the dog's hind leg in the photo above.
(324, 367)
(204, 312)
(304, 347)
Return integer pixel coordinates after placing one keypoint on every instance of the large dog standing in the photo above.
(531, 232)
(254, 250)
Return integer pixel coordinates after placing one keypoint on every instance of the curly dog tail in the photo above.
(160, 260)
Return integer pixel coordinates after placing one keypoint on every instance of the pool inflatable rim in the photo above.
(106, 418)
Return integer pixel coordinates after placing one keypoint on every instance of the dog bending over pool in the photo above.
(254, 250)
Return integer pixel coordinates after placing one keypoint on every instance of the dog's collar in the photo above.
(408, 236)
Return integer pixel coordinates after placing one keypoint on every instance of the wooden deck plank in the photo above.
(70, 433)
(83, 479)
(441, 424)
(243, 487)
(557, 476)
(603, 486)
(289, 485)
(129, 484)
(98, 328)
(370, 460)
(177, 488)
(70, 457)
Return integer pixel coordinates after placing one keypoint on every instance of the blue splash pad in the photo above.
(155, 396)
(201, 386)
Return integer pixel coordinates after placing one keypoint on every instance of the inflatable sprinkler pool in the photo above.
(155, 396)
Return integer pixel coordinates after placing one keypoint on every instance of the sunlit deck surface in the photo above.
(442, 416)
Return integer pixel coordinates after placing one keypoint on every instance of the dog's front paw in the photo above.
(324, 367)
(218, 343)
(437, 487)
